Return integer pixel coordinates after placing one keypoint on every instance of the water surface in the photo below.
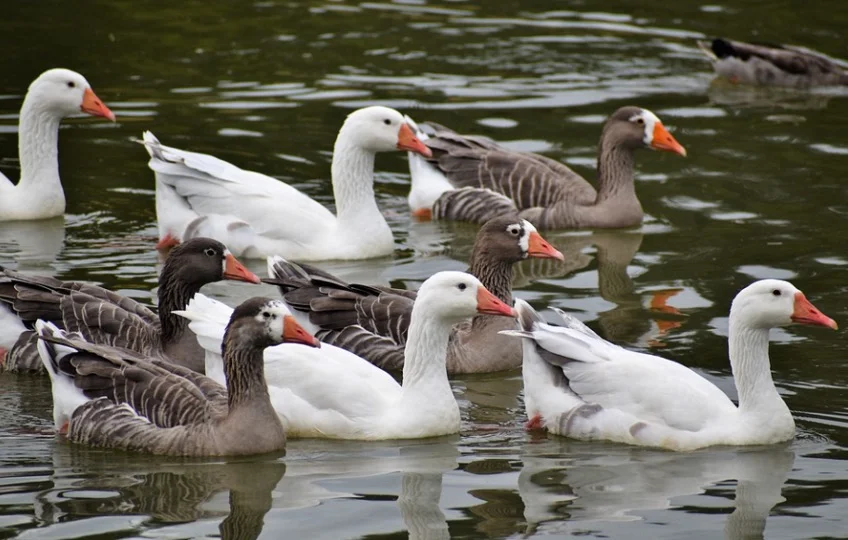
(267, 85)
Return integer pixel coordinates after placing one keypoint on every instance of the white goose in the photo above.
(256, 215)
(54, 95)
(579, 385)
(332, 393)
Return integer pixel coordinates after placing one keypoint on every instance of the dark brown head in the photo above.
(512, 239)
(262, 322)
(204, 260)
(634, 127)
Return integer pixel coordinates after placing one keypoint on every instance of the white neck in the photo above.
(751, 368)
(38, 148)
(353, 186)
(425, 375)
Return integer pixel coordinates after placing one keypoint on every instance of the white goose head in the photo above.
(65, 93)
(770, 303)
(455, 296)
(381, 129)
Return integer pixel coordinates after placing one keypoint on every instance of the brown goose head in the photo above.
(204, 260)
(634, 127)
(261, 322)
(511, 239)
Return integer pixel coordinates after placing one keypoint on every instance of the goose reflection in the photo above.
(33, 245)
(166, 491)
(421, 466)
(594, 484)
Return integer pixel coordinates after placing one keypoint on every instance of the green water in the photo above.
(267, 85)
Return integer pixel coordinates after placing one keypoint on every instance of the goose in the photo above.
(581, 386)
(772, 65)
(473, 179)
(373, 322)
(257, 215)
(110, 397)
(104, 317)
(52, 96)
(332, 393)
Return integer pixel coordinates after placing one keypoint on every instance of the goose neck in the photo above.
(38, 145)
(174, 294)
(425, 354)
(244, 369)
(493, 272)
(749, 361)
(353, 182)
(615, 170)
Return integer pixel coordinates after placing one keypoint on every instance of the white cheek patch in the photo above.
(224, 262)
(650, 120)
(524, 239)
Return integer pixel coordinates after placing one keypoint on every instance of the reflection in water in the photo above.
(165, 491)
(722, 92)
(421, 465)
(616, 485)
(34, 245)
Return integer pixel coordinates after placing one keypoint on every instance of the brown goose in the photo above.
(473, 179)
(116, 398)
(104, 317)
(373, 322)
(772, 65)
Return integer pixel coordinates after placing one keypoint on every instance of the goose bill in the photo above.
(806, 313)
(540, 248)
(662, 140)
(489, 304)
(233, 269)
(92, 105)
(409, 142)
(294, 333)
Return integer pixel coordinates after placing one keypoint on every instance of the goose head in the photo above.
(770, 303)
(64, 93)
(204, 260)
(512, 239)
(264, 322)
(455, 296)
(635, 127)
(381, 129)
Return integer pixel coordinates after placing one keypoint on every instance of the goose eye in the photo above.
(209, 252)
(387, 122)
(266, 314)
(514, 231)
(461, 286)
(776, 292)
(640, 121)
(71, 84)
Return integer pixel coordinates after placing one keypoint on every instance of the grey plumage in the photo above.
(373, 322)
(104, 317)
(772, 65)
(544, 191)
(153, 406)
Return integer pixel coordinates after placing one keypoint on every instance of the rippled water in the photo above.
(267, 85)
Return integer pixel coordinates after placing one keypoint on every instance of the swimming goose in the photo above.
(257, 215)
(579, 385)
(115, 398)
(474, 179)
(373, 322)
(104, 317)
(332, 393)
(54, 95)
(772, 65)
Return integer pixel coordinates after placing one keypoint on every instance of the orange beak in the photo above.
(294, 333)
(540, 248)
(235, 270)
(806, 313)
(92, 105)
(489, 304)
(409, 142)
(663, 140)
